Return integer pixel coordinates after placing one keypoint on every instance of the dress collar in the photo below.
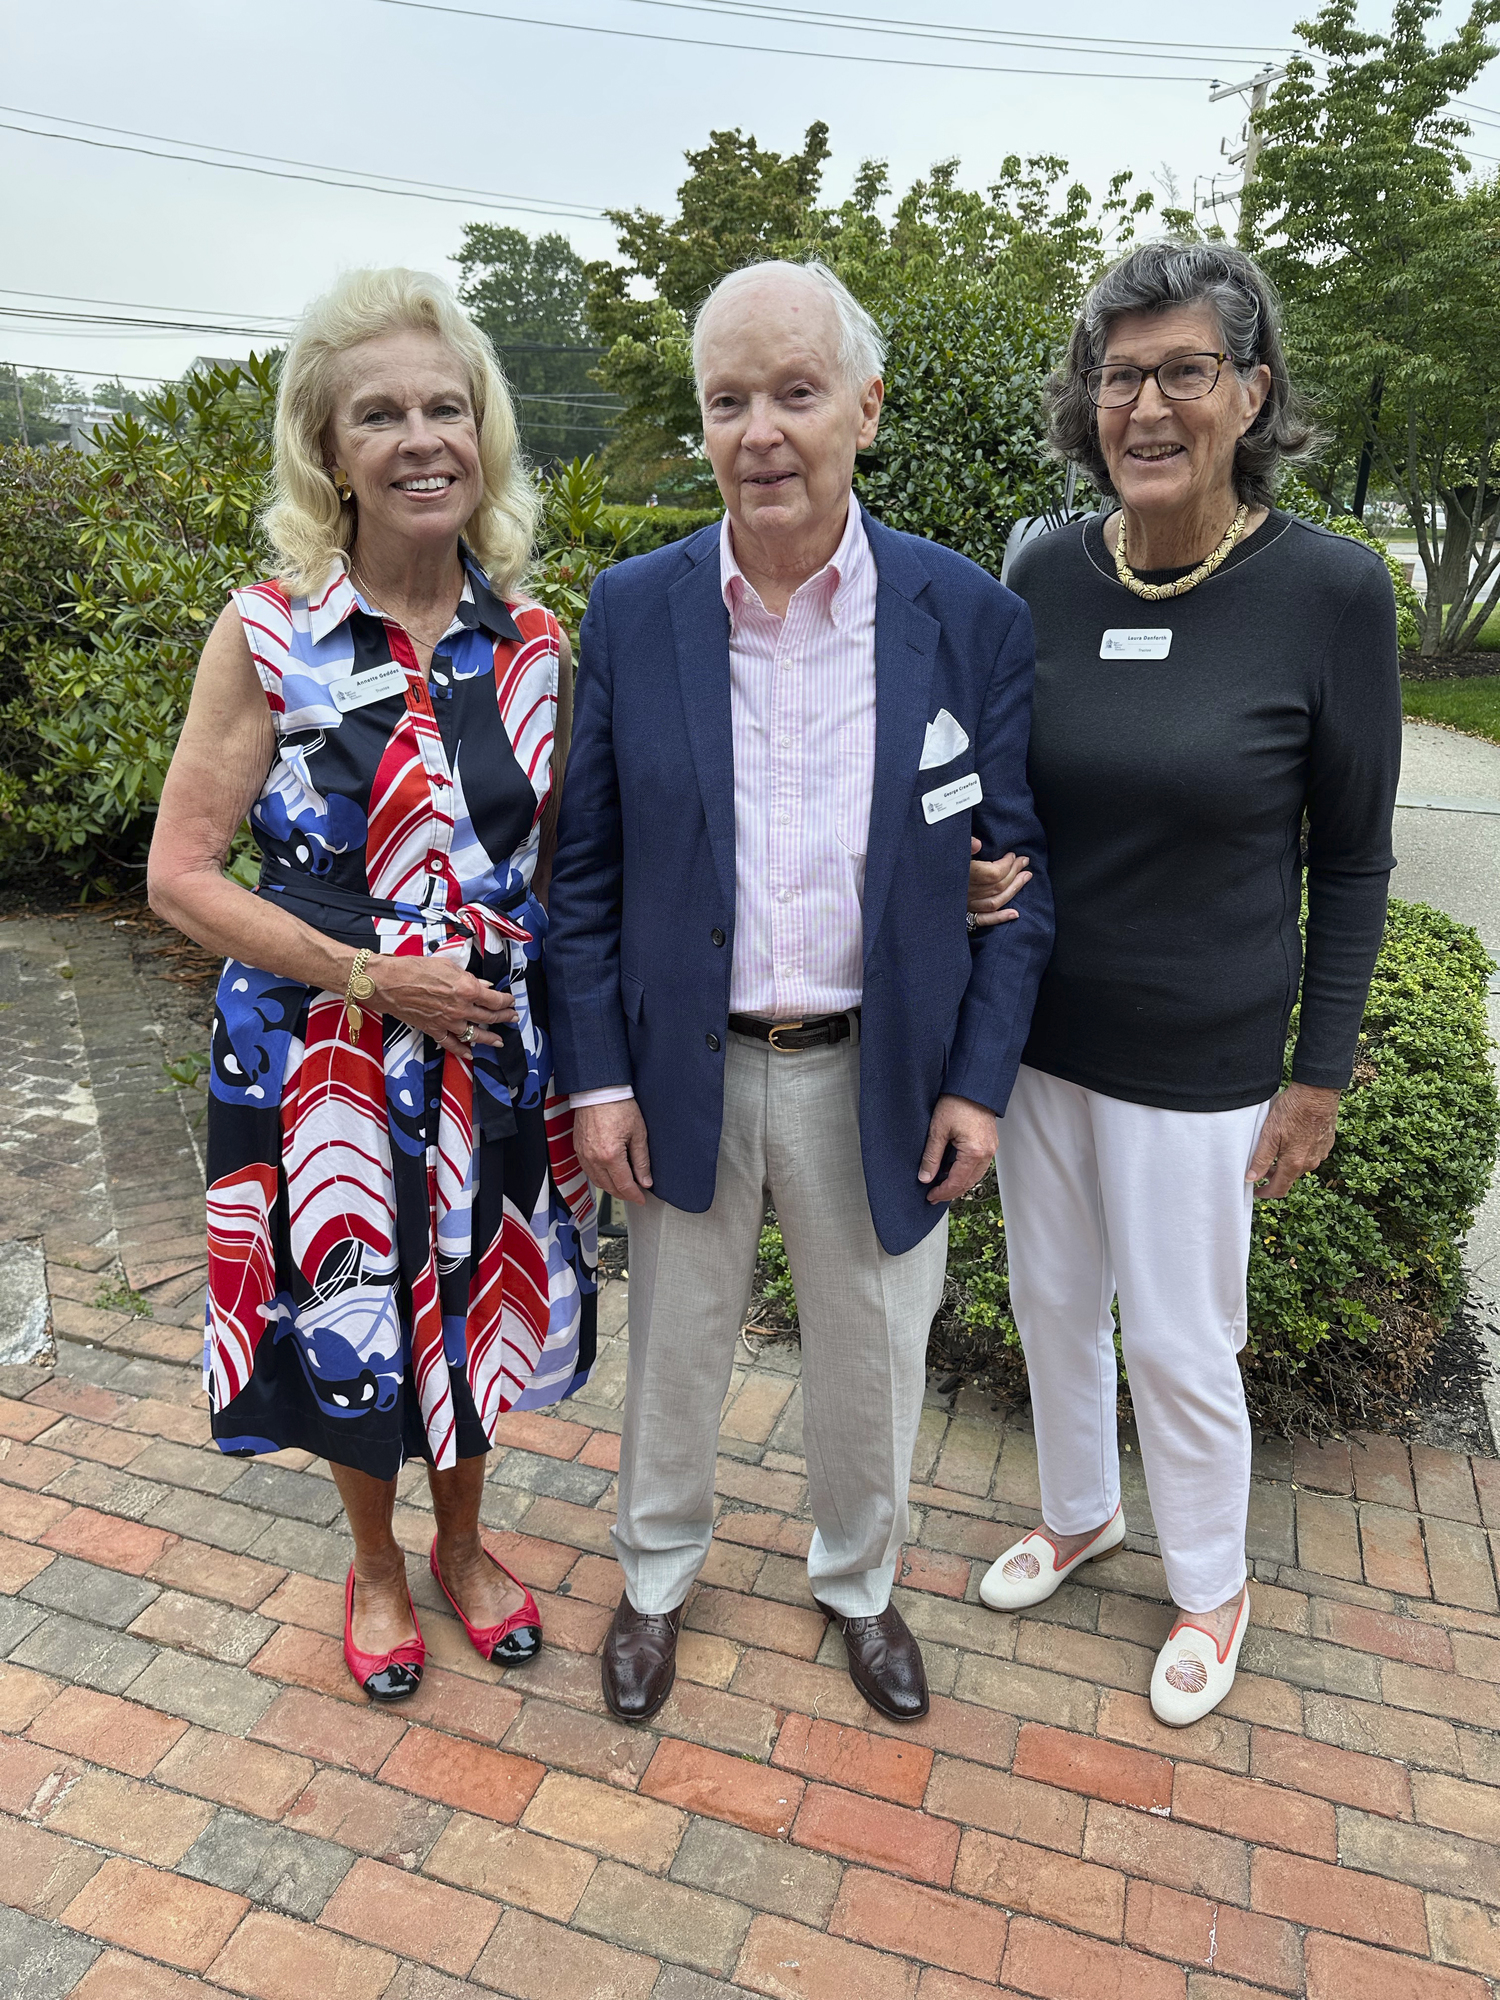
(478, 607)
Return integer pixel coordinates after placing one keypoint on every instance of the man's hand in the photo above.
(610, 1140)
(1297, 1136)
(994, 884)
(970, 1129)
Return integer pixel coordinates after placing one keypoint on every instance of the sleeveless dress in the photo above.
(401, 1243)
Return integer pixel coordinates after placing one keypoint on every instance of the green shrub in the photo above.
(166, 526)
(654, 527)
(961, 452)
(1354, 1274)
(38, 546)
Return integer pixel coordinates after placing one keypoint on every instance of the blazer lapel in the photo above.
(906, 640)
(700, 631)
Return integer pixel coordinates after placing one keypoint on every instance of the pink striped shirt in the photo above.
(802, 707)
(802, 704)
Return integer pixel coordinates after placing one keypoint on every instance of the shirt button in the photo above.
(713, 1042)
(717, 935)
(783, 895)
(435, 865)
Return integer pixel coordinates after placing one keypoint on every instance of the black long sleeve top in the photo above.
(1174, 777)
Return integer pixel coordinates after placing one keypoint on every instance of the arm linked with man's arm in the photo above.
(1009, 959)
(587, 899)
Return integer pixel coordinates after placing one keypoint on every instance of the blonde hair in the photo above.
(307, 524)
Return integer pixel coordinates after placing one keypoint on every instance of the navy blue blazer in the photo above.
(642, 904)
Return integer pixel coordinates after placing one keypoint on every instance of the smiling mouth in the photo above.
(769, 479)
(1154, 454)
(431, 482)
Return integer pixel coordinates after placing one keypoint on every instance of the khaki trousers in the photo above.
(791, 1131)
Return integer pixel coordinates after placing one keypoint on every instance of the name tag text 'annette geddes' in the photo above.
(954, 798)
(374, 684)
(1120, 643)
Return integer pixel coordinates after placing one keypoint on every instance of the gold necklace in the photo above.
(1183, 584)
(410, 630)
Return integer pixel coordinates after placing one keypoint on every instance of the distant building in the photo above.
(82, 420)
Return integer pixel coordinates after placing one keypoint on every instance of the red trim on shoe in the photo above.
(1221, 1651)
(1042, 1535)
(485, 1638)
(364, 1666)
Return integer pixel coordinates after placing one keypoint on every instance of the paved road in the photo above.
(1451, 858)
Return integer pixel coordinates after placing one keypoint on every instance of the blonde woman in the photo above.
(401, 1245)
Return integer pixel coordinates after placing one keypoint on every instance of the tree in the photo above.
(739, 202)
(976, 291)
(1388, 261)
(528, 294)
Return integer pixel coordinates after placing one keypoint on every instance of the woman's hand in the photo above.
(436, 996)
(993, 884)
(1297, 1136)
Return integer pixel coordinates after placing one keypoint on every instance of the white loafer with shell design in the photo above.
(1029, 1572)
(1192, 1676)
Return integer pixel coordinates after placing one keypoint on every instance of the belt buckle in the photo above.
(776, 1028)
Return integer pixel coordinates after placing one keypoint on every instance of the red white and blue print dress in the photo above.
(401, 1243)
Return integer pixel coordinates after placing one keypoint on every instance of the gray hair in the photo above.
(1154, 278)
(861, 343)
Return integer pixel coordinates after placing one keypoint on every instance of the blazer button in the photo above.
(717, 935)
(713, 1042)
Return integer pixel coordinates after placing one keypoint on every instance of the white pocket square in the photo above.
(945, 740)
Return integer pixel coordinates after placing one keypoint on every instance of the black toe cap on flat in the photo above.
(393, 1683)
(517, 1647)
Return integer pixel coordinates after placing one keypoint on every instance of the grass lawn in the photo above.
(1471, 704)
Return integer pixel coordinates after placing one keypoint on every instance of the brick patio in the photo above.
(195, 1799)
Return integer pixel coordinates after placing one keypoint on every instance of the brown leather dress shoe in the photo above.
(885, 1662)
(640, 1661)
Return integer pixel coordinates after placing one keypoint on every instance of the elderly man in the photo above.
(761, 978)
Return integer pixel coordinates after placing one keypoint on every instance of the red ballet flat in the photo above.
(383, 1676)
(510, 1644)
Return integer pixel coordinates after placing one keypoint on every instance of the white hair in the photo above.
(861, 343)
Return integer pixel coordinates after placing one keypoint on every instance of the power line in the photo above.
(764, 49)
(239, 329)
(952, 31)
(275, 168)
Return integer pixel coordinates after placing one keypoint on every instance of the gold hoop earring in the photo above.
(341, 484)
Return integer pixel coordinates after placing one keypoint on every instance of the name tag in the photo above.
(1120, 644)
(950, 799)
(374, 684)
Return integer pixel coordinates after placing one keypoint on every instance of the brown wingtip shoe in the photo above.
(885, 1662)
(640, 1661)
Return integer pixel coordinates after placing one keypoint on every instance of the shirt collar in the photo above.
(478, 606)
(838, 575)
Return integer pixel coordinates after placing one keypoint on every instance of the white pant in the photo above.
(1106, 1199)
(791, 1129)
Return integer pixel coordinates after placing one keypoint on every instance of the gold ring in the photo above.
(468, 1033)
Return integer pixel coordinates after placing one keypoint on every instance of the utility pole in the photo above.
(15, 380)
(1259, 87)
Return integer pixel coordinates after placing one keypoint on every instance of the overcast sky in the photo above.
(530, 111)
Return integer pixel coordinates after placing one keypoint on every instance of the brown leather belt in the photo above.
(789, 1038)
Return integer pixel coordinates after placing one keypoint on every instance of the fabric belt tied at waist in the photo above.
(790, 1038)
(474, 929)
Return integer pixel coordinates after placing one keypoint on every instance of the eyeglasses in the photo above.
(1186, 378)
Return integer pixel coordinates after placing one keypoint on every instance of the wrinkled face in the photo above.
(403, 429)
(780, 422)
(1164, 456)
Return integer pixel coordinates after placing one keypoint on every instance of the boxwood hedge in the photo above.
(1355, 1273)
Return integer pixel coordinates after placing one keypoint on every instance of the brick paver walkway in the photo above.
(195, 1799)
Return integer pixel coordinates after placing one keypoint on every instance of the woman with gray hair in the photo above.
(1217, 715)
(400, 1237)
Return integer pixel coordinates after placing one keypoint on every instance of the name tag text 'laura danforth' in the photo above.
(954, 798)
(1119, 643)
